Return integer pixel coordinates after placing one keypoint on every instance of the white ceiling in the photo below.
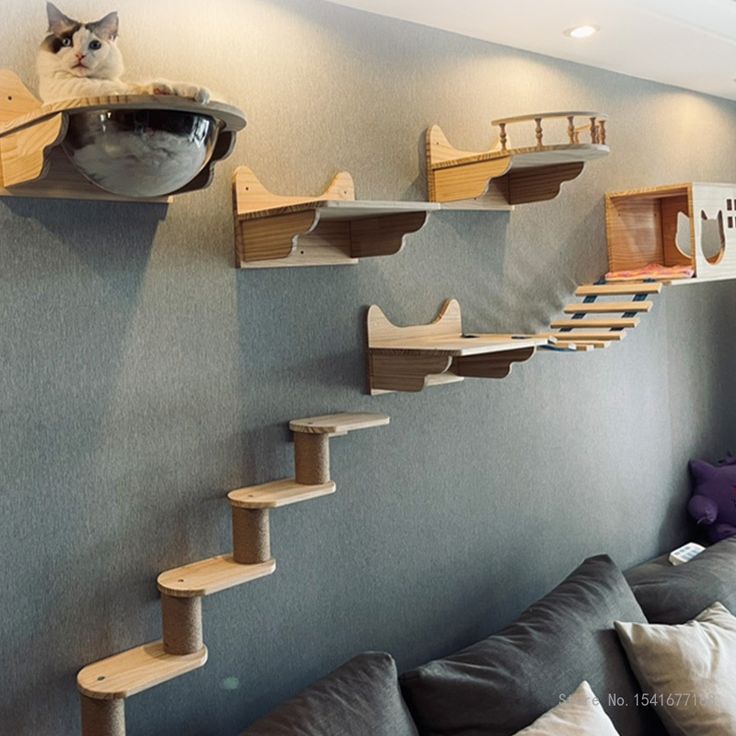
(687, 43)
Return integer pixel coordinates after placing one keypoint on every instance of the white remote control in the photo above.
(685, 553)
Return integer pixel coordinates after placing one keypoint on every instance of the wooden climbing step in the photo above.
(211, 576)
(592, 344)
(620, 323)
(608, 307)
(136, 670)
(277, 494)
(577, 336)
(619, 289)
(337, 424)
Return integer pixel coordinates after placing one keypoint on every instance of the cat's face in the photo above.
(82, 49)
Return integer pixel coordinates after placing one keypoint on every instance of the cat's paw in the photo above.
(203, 95)
(161, 88)
(200, 94)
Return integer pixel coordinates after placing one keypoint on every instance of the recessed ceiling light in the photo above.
(582, 31)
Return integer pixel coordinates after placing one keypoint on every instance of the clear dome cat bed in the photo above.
(123, 148)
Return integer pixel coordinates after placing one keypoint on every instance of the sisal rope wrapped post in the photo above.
(312, 458)
(251, 536)
(102, 717)
(182, 624)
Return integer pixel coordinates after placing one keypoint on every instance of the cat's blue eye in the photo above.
(66, 42)
(95, 45)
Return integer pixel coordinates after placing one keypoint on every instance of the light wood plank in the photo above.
(335, 424)
(136, 670)
(211, 576)
(623, 289)
(277, 494)
(586, 335)
(608, 307)
(581, 324)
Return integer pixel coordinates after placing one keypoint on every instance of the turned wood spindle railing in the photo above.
(503, 137)
(596, 128)
(539, 132)
(593, 130)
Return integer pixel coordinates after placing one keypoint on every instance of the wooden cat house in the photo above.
(679, 233)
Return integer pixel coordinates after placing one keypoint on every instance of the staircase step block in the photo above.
(136, 670)
(211, 576)
(277, 494)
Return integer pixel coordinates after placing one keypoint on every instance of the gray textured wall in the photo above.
(143, 377)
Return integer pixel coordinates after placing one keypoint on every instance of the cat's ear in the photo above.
(58, 22)
(106, 28)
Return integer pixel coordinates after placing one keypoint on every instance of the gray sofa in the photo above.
(500, 685)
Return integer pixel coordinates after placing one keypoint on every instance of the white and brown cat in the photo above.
(79, 59)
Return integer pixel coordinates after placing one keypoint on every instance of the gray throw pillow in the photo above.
(361, 698)
(502, 684)
(688, 671)
(674, 595)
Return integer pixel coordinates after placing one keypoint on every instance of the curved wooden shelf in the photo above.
(32, 164)
(333, 229)
(136, 670)
(207, 577)
(415, 357)
(504, 176)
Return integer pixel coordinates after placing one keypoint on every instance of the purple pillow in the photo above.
(713, 503)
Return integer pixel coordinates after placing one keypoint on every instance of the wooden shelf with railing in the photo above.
(507, 175)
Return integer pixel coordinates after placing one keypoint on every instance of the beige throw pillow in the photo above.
(579, 715)
(687, 672)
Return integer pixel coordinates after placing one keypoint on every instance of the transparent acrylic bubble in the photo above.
(140, 153)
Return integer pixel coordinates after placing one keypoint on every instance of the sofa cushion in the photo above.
(502, 684)
(580, 714)
(361, 698)
(675, 594)
(688, 670)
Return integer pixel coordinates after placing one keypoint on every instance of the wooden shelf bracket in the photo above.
(333, 229)
(413, 358)
(505, 176)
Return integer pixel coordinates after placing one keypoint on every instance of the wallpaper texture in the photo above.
(142, 376)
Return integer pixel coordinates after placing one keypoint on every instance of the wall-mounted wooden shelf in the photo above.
(129, 673)
(34, 136)
(415, 357)
(207, 577)
(104, 685)
(679, 234)
(333, 229)
(506, 176)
